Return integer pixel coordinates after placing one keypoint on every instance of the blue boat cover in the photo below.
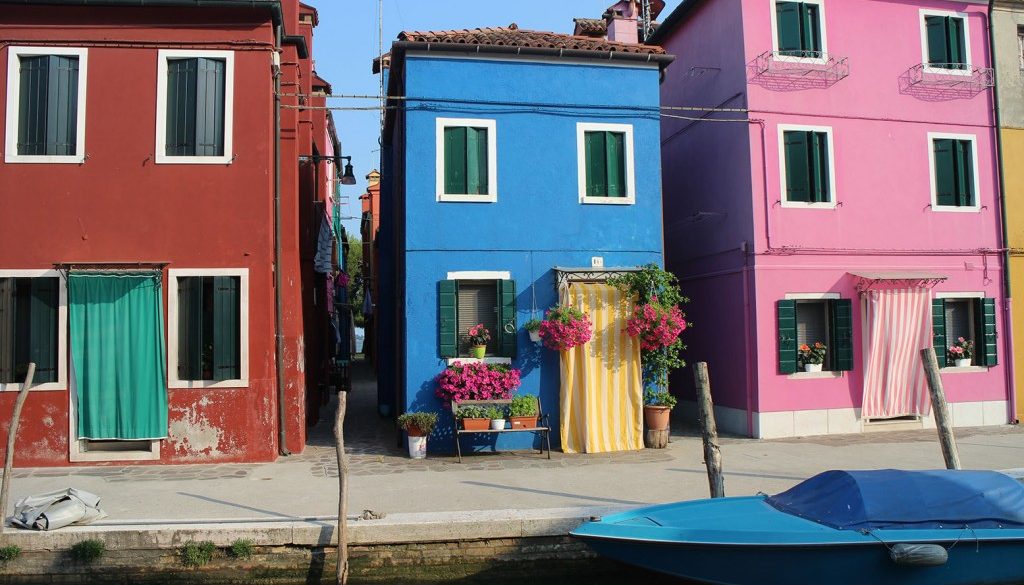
(893, 499)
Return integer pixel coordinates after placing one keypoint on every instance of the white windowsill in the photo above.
(208, 384)
(486, 360)
(957, 208)
(808, 205)
(607, 200)
(963, 370)
(453, 198)
(814, 375)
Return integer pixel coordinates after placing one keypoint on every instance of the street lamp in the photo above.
(349, 177)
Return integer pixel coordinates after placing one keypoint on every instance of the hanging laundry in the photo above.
(322, 260)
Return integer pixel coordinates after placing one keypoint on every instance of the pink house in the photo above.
(840, 187)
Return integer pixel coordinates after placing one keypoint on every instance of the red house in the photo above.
(159, 209)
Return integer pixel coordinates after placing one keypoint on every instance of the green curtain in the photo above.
(117, 347)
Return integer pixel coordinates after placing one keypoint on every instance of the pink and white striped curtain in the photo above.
(899, 327)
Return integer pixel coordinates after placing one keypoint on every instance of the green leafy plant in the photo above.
(470, 411)
(9, 552)
(242, 548)
(659, 398)
(494, 413)
(652, 284)
(88, 551)
(532, 325)
(523, 406)
(812, 354)
(424, 421)
(197, 554)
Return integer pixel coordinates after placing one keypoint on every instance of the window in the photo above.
(466, 160)
(946, 41)
(209, 328)
(808, 320)
(465, 302)
(807, 166)
(46, 105)
(970, 317)
(799, 29)
(605, 158)
(29, 329)
(954, 180)
(195, 95)
(1020, 46)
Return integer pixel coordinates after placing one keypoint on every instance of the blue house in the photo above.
(514, 160)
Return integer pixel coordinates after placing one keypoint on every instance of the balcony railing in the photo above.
(952, 76)
(808, 65)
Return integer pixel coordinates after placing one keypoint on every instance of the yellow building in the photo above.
(1008, 41)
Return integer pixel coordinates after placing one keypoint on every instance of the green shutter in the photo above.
(62, 106)
(32, 105)
(8, 326)
(939, 331)
(226, 326)
(964, 166)
(811, 30)
(955, 41)
(507, 317)
(787, 17)
(596, 156)
(615, 162)
(819, 171)
(937, 38)
(449, 329)
(209, 116)
(43, 329)
(182, 77)
(945, 172)
(190, 328)
(787, 337)
(798, 186)
(455, 161)
(476, 161)
(841, 333)
(985, 324)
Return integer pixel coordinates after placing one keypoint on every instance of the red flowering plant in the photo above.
(564, 328)
(477, 381)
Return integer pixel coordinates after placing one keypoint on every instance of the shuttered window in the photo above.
(28, 328)
(954, 172)
(466, 160)
(798, 27)
(971, 318)
(947, 45)
(465, 303)
(807, 321)
(209, 336)
(807, 166)
(195, 107)
(48, 105)
(605, 158)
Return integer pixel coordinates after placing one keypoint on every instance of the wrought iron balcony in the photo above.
(952, 76)
(810, 65)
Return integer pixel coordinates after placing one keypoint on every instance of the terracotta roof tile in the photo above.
(513, 36)
(591, 27)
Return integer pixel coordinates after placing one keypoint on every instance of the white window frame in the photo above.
(973, 138)
(963, 296)
(62, 330)
(173, 381)
(833, 196)
(479, 275)
(968, 67)
(492, 160)
(775, 34)
(813, 297)
(581, 161)
(14, 55)
(161, 107)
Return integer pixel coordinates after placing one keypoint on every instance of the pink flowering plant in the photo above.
(565, 327)
(479, 335)
(656, 326)
(477, 381)
(961, 350)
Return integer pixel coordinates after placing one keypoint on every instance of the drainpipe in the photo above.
(282, 438)
(1007, 293)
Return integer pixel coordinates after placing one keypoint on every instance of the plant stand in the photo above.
(656, 438)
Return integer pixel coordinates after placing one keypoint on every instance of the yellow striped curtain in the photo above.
(602, 394)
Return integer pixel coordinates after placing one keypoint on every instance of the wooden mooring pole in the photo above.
(341, 569)
(942, 418)
(12, 435)
(709, 430)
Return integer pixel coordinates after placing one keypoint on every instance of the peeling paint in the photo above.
(47, 421)
(192, 434)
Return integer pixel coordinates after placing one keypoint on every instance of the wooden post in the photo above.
(341, 572)
(942, 418)
(709, 430)
(12, 435)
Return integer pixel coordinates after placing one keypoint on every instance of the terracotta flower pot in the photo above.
(657, 417)
(524, 422)
(476, 424)
(415, 431)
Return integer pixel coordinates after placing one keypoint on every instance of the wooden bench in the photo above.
(544, 429)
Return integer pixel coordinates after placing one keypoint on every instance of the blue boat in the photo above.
(836, 528)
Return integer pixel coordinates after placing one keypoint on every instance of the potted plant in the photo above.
(523, 412)
(417, 426)
(476, 381)
(478, 338)
(497, 417)
(533, 328)
(564, 328)
(658, 405)
(812, 356)
(473, 418)
(961, 352)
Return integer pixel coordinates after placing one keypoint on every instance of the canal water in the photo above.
(590, 572)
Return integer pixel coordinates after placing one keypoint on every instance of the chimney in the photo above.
(623, 21)
(373, 178)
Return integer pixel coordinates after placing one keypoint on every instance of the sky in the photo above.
(346, 42)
